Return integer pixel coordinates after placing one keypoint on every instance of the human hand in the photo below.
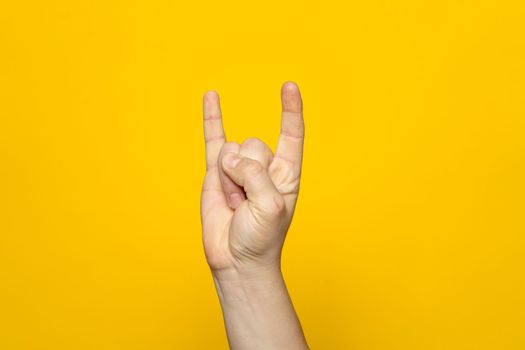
(249, 194)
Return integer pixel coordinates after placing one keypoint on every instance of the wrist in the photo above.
(247, 271)
(249, 283)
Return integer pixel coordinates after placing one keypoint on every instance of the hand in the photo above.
(249, 195)
(247, 203)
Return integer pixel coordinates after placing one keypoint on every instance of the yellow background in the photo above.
(409, 232)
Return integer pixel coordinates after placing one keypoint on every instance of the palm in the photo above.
(227, 230)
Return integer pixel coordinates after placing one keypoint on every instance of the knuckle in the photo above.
(255, 148)
(274, 207)
(278, 206)
(229, 146)
(252, 141)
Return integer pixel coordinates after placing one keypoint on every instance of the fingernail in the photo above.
(232, 160)
(235, 200)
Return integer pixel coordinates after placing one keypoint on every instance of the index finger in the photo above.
(213, 129)
(291, 139)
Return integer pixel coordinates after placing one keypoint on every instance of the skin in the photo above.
(247, 204)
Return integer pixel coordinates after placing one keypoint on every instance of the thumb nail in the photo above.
(231, 160)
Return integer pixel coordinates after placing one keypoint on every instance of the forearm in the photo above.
(257, 309)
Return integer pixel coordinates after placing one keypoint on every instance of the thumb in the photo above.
(254, 178)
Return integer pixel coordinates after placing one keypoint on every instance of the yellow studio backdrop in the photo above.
(409, 231)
